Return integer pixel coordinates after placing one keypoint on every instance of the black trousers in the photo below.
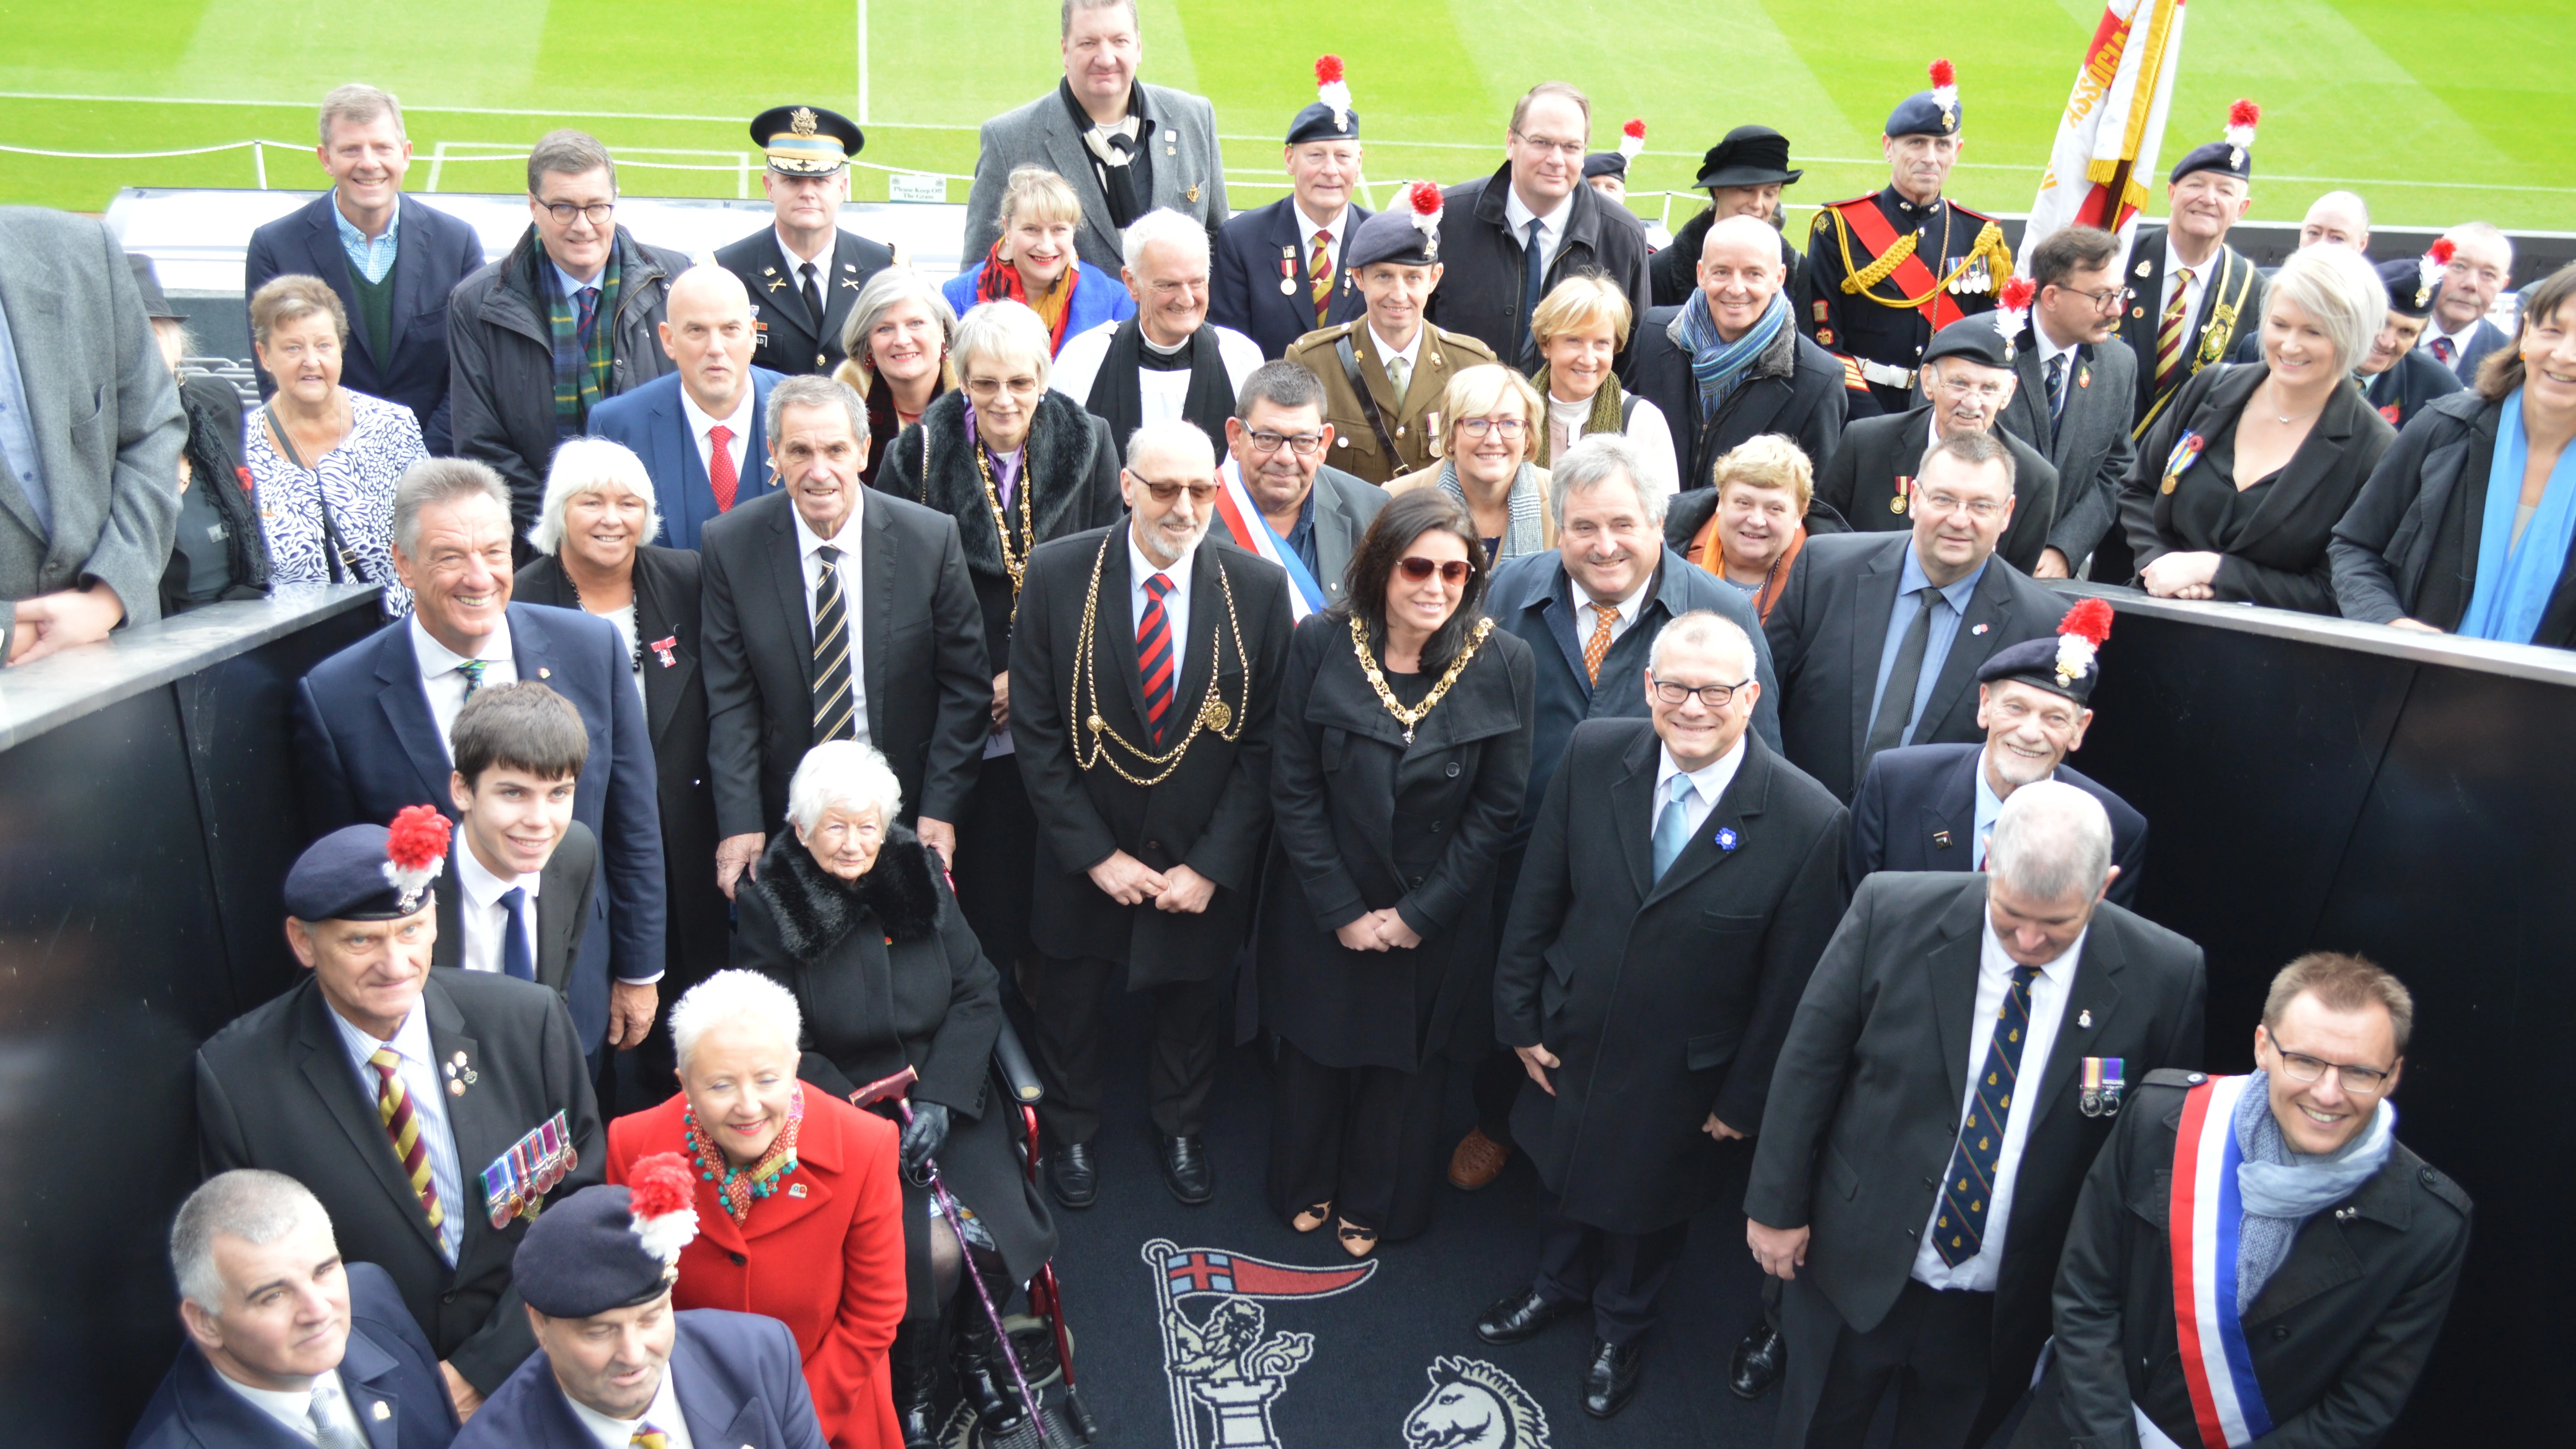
(1071, 1004)
(1931, 1349)
(996, 855)
(1619, 1274)
(1365, 1139)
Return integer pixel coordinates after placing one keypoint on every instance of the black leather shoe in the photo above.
(1187, 1171)
(1759, 1362)
(914, 1360)
(1519, 1317)
(1070, 1173)
(1611, 1376)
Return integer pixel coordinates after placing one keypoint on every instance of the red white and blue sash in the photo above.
(1253, 534)
(2206, 1214)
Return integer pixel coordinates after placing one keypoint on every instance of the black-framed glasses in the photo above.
(1715, 696)
(2360, 1081)
(1418, 568)
(1201, 494)
(1301, 444)
(2110, 299)
(564, 212)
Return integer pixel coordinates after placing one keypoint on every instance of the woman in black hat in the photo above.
(1742, 175)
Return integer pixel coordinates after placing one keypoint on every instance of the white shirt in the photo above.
(849, 541)
(1707, 782)
(1551, 227)
(663, 1414)
(2049, 350)
(481, 913)
(427, 1092)
(822, 263)
(737, 441)
(292, 1407)
(1162, 393)
(2047, 1009)
(1623, 617)
(1387, 353)
(1645, 428)
(2173, 278)
(1176, 604)
(444, 683)
(1307, 226)
(2459, 343)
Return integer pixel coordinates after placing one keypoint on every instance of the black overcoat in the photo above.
(1664, 999)
(1878, 458)
(1363, 822)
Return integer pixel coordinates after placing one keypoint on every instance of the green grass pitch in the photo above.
(2435, 114)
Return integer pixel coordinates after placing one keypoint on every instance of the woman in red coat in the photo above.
(800, 1211)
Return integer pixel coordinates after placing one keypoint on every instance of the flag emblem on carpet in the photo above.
(1223, 1361)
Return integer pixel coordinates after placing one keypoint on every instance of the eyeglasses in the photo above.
(1201, 494)
(1571, 150)
(1715, 696)
(1991, 389)
(2360, 1081)
(989, 388)
(1509, 429)
(1301, 444)
(596, 213)
(1942, 505)
(1418, 568)
(2110, 299)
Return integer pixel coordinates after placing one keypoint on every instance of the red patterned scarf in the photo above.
(1001, 280)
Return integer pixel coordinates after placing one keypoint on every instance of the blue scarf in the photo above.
(1718, 366)
(2515, 581)
(2282, 1189)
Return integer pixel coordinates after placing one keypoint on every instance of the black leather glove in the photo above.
(924, 1135)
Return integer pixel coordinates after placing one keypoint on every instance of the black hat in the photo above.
(1749, 156)
(806, 140)
(2066, 664)
(2233, 156)
(1330, 118)
(1929, 113)
(2414, 283)
(608, 1247)
(368, 872)
(1977, 339)
(1604, 163)
(156, 305)
(1407, 233)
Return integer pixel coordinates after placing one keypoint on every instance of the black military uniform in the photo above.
(799, 319)
(1884, 274)
(1749, 156)
(2416, 378)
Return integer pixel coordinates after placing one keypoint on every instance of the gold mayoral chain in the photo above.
(1083, 701)
(1385, 696)
(1014, 565)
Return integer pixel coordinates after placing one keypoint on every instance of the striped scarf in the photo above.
(1718, 366)
(1524, 533)
(581, 368)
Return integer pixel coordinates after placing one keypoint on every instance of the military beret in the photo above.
(609, 1246)
(1407, 234)
(1330, 118)
(806, 140)
(2231, 156)
(1974, 338)
(1749, 156)
(2067, 664)
(1929, 113)
(1604, 163)
(2414, 283)
(369, 872)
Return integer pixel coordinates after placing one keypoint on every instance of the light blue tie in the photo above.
(1672, 828)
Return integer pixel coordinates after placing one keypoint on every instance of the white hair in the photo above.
(1598, 459)
(731, 996)
(2051, 840)
(591, 465)
(1703, 629)
(844, 774)
(1166, 226)
(2483, 231)
(1009, 332)
(256, 1206)
(2341, 293)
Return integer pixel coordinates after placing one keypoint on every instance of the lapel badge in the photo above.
(663, 648)
(2146, 269)
(459, 1059)
(470, 1078)
(2084, 1019)
(775, 283)
(2103, 1083)
(1941, 840)
(1726, 839)
(380, 1410)
(544, 673)
(455, 1088)
(451, 1069)
(1193, 192)
(2083, 377)
(1979, 629)
(796, 1189)
(849, 266)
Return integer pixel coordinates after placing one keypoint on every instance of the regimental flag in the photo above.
(2103, 164)
(1188, 1271)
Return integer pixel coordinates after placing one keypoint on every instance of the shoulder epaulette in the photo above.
(2174, 1077)
(2439, 1184)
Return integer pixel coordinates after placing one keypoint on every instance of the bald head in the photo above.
(706, 329)
(1172, 445)
(1170, 487)
(1741, 236)
(1740, 273)
(2338, 218)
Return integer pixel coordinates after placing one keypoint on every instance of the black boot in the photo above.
(983, 1373)
(914, 1362)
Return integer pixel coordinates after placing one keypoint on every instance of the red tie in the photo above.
(720, 474)
(1154, 654)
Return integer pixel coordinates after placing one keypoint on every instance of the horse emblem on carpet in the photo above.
(1223, 1361)
(1474, 1405)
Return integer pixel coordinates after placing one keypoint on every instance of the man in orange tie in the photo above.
(431, 1117)
(698, 429)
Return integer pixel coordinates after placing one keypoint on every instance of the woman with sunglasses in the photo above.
(1492, 416)
(1398, 764)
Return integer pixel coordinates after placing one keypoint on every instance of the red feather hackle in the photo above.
(1423, 197)
(660, 1184)
(2442, 252)
(1943, 74)
(417, 838)
(2089, 620)
(2244, 113)
(2017, 294)
(1636, 128)
(1328, 69)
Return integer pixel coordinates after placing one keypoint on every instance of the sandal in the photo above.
(1357, 1241)
(1309, 1219)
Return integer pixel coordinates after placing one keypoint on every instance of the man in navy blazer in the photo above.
(280, 1330)
(391, 259)
(1263, 278)
(2481, 265)
(1930, 807)
(673, 421)
(372, 724)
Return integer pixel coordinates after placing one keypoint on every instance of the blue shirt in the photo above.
(1936, 648)
(1301, 540)
(18, 431)
(369, 259)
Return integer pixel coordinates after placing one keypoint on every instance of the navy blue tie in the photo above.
(1960, 1232)
(1533, 288)
(515, 960)
(2056, 392)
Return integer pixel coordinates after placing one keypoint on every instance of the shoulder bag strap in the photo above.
(1368, 401)
(336, 553)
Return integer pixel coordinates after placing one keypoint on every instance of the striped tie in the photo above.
(472, 669)
(648, 1437)
(833, 716)
(1154, 655)
(1960, 1231)
(393, 1108)
(1598, 646)
(1321, 269)
(2170, 330)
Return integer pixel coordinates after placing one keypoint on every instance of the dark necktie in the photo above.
(589, 303)
(1896, 702)
(1959, 1233)
(1533, 287)
(515, 960)
(1154, 655)
(2442, 350)
(833, 717)
(813, 295)
(2056, 393)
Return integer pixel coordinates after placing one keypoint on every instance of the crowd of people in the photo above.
(1619, 677)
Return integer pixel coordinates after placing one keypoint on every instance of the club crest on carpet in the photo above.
(1224, 1363)
(1474, 1405)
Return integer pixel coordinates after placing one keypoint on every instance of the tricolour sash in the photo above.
(2205, 1216)
(1253, 534)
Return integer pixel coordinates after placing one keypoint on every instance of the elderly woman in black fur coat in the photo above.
(849, 911)
(1015, 463)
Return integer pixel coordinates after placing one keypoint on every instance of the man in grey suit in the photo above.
(1925, 1135)
(90, 433)
(2077, 382)
(1097, 130)
(1275, 446)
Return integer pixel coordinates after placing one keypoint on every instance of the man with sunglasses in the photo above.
(2076, 381)
(570, 317)
(1681, 882)
(2342, 1247)
(1289, 502)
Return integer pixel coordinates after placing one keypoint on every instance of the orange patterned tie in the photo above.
(2169, 332)
(393, 1108)
(1321, 269)
(1598, 645)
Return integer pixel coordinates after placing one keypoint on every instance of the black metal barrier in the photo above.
(147, 817)
(2316, 784)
